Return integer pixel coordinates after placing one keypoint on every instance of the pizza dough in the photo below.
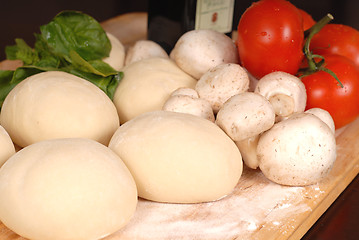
(58, 105)
(7, 148)
(146, 86)
(66, 189)
(177, 157)
(116, 59)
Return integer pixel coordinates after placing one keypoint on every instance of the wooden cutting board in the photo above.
(256, 209)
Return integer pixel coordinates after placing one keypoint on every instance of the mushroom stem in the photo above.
(284, 91)
(248, 149)
(283, 104)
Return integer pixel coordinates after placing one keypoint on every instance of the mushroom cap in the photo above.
(143, 49)
(197, 51)
(185, 91)
(245, 115)
(324, 116)
(222, 82)
(285, 91)
(187, 104)
(298, 151)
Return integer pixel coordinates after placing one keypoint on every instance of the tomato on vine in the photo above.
(324, 91)
(337, 39)
(331, 81)
(270, 37)
(308, 20)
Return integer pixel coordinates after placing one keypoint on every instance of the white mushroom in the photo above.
(116, 59)
(190, 104)
(324, 116)
(248, 149)
(284, 91)
(243, 117)
(298, 151)
(197, 51)
(185, 91)
(143, 49)
(252, 82)
(222, 82)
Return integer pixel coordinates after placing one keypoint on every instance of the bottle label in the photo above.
(214, 14)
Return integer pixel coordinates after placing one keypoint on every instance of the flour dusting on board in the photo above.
(254, 202)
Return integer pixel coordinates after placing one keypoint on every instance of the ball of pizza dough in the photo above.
(7, 148)
(116, 58)
(147, 84)
(66, 189)
(58, 105)
(177, 157)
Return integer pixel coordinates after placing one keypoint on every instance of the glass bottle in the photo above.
(169, 19)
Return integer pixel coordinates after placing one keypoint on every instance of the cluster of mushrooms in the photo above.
(266, 118)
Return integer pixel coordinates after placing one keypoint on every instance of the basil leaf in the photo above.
(21, 51)
(95, 66)
(112, 86)
(107, 84)
(5, 84)
(72, 42)
(71, 30)
(47, 58)
(23, 72)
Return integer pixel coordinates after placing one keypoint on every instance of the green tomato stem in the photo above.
(310, 33)
(334, 75)
(314, 66)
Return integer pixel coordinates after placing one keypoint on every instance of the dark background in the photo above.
(21, 18)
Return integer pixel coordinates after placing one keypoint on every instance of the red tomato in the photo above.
(324, 92)
(337, 39)
(308, 21)
(270, 38)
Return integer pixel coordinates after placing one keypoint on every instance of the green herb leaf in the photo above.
(71, 30)
(72, 42)
(107, 84)
(47, 58)
(97, 67)
(21, 51)
(5, 84)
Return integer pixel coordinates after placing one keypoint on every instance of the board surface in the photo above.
(256, 209)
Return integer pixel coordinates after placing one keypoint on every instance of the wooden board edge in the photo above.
(323, 206)
(339, 184)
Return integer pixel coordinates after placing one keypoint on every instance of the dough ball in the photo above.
(7, 148)
(146, 86)
(66, 189)
(58, 105)
(116, 59)
(177, 157)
